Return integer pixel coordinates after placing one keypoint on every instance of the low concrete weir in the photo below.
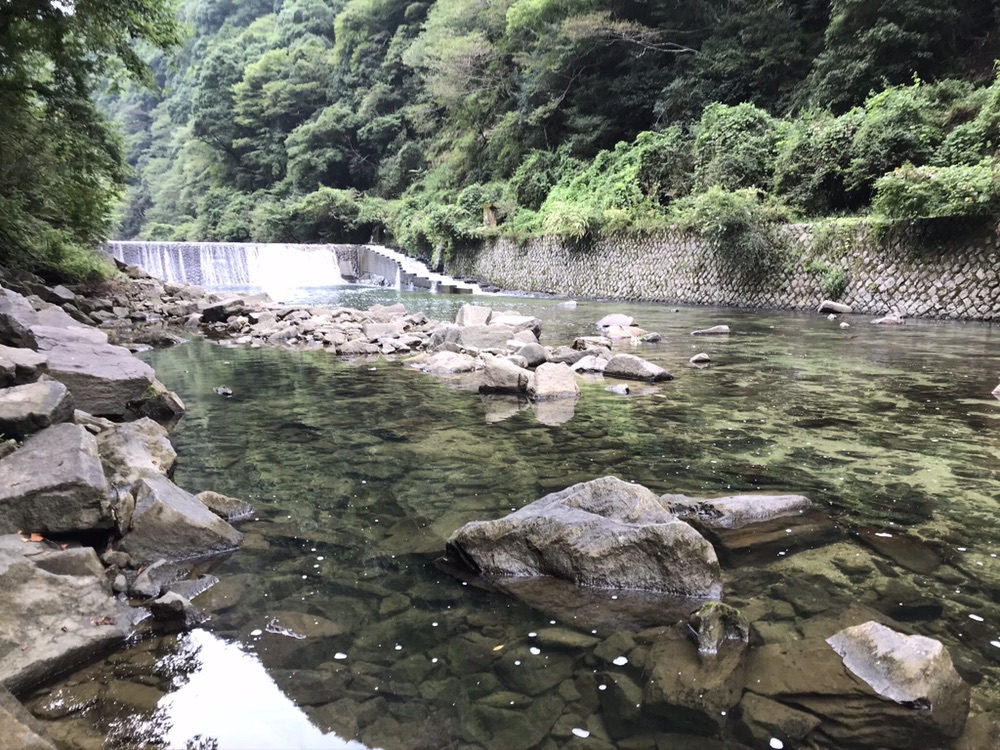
(280, 266)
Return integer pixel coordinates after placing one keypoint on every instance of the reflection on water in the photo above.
(361, 470)
(248, 710)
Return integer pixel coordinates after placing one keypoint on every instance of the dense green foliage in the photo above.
(435, 124)
(61, 165)
(438, 124)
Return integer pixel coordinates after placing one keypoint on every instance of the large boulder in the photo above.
(553, 380)
(26, 409)
(51, 621)
(104, 379)
(503, 376)
(605, 533)
(631, 367)
(55, 484)
(172, 524)
(134, 449)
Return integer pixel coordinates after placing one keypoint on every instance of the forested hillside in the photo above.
(438, 123)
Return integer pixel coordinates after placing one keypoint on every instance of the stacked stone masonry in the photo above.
(930, 268)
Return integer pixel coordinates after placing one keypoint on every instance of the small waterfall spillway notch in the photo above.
(272, 267)
(410, 272)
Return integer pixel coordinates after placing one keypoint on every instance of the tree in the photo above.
(61, 165)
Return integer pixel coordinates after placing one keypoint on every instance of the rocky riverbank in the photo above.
(94, 536)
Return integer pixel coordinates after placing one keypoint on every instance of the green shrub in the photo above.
(574, 223)
(928, 192)
(832, 278)
(900, 126)
(738, 225)
(812, 160)
(538, 174)
(735, 147)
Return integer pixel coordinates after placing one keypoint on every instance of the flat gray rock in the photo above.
(51, 622)
(447, 363)
(736, 511)
(54, 483)
(104, 379)
(631, 367)
(172, 524)
(26, 409)
(19, 366)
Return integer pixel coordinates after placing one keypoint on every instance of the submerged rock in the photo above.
(722, 330)
(605, 533)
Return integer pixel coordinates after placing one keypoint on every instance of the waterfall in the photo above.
(270, 267)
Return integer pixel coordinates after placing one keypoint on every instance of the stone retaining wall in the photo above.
(932, 268)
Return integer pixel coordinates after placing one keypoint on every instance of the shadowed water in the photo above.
(360, 470)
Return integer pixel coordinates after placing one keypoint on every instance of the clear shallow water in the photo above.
(360, 471)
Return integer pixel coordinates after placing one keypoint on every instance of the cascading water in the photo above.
(270, 267)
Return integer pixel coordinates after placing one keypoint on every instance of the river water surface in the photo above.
(359, 471)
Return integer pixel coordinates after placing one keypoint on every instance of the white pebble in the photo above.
(621, 661)
(581, 732)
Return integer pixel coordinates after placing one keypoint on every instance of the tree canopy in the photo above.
(61, 165)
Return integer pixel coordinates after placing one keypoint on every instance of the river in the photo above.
(359, 471)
